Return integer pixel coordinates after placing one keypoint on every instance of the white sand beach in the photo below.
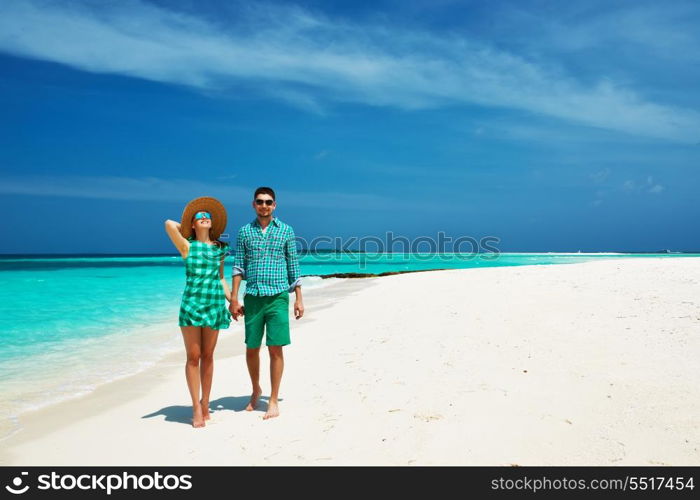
(581, 364)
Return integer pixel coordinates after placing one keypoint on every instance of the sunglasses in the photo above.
(260, 201)
(202, 215)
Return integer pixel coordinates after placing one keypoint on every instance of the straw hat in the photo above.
(211, 205)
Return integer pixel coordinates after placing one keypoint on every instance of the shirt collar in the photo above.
(274, 221)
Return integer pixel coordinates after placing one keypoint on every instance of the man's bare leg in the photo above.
(276, 369)
(252, 358)
(209, 338)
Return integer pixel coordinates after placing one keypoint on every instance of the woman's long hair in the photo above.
(219, 244)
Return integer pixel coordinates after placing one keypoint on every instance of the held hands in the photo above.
(236, 309)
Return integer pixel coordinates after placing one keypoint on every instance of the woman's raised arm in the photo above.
(172, 227)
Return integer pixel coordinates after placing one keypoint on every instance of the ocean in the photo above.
(75, 322)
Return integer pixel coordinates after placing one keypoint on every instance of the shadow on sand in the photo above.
(183, 414)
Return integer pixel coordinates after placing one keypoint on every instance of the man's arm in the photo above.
(298, 303)
(294, 273)
(236, 307)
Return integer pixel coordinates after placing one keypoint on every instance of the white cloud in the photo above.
(311, 61)
(183, 190)
(121, 188)
(662, 31)
(600, 175)
(647, 186)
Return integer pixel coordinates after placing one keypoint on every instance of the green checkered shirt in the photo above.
(268, 262)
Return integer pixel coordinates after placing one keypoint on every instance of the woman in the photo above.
(203, 309)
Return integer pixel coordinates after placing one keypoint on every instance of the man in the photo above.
(266, 257)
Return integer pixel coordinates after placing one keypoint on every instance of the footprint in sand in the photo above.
(427, 418)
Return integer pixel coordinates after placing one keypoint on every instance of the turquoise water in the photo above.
(74, 322)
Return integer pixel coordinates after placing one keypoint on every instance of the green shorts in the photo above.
(270, 310)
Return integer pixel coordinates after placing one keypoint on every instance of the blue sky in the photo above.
(551, 126)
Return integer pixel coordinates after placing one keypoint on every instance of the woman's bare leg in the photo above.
(192, 335)
(209, 338)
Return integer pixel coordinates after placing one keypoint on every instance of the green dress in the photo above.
(204, 300)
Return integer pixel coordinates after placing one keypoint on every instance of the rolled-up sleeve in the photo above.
(239, 256)
(293, 268)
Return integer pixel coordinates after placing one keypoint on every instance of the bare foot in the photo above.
(272, 410)
(197, 416)
(254, 399)
(205, 409)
